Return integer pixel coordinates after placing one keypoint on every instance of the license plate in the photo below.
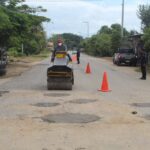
(60, 56)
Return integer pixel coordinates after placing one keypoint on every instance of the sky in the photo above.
(69, 16)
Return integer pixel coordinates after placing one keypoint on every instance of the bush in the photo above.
(13, 52)
(147, 39)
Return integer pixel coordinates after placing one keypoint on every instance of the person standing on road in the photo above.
(142, 58)
(143, 64)
(78, 56)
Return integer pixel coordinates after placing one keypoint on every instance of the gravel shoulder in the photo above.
(18, 65)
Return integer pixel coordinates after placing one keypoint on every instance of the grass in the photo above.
(32, 58)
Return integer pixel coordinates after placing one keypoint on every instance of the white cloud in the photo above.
(69, 16)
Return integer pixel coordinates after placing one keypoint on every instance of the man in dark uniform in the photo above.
(60, 47)
(78, 56)
(143, 64)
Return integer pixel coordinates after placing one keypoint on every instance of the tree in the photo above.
(71, 40)
(103, 45)
(146, 38)
(116, 27)
(106, 41)
(104, 29)
(5, 27)
(90, 45)
(115, 40)
(144, 15)
(3, 2)
(17, 28)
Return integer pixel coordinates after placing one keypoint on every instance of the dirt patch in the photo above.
(3, 92)
(70, 118)
(16, 69)
(141, 104)
(17, 65)
(134, 112)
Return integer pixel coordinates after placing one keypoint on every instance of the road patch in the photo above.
(70, 118)
(141, 104)
(83, 101)
(46, 104)
(3, 92)
(56, 94)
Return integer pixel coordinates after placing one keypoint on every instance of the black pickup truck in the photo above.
(3, 61)
(125, 56)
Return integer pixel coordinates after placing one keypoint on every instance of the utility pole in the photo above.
(122, 20)
(88, 28)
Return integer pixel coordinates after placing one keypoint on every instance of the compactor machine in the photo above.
(60, 73)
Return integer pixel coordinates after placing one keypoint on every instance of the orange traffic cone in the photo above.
(104, 87)
(88, 69)
(74, 58)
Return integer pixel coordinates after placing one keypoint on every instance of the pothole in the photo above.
(83, 101)
(134, 112)
(146, 117)
(3, 92)
(70, 118)
(141, 104)
(46, 104)
(57, 94)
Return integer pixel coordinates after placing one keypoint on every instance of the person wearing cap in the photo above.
(143, 64)
(60, 47)
(143, 59)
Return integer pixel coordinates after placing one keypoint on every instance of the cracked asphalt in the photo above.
(32, 118)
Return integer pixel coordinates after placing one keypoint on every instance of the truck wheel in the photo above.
(2, 72)
(118, 63)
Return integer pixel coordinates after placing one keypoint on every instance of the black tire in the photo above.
(118, 63)
(59, 86)
(135, 64)
(72, 78)
(49, 86)
(68, 86)
(2, 72)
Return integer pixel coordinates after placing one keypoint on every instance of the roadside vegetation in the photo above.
(108, 39)
(30, 58)
(144, 15)
(21, 29)
(71, 40)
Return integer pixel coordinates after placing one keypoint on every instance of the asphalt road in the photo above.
(32, 118)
